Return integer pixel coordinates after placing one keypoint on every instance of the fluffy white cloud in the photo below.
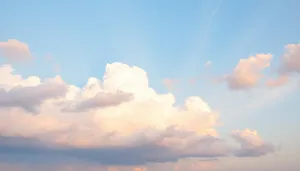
(15, 50)
(248, 72)
(105, 121)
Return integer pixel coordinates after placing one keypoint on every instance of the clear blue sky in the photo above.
(170, 35)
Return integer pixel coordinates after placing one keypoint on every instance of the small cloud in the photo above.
(251, 144)
(15, 50)
(49, 58)
(170, 83)
(248, 72)
(57, 68)
(208, 63)
(194, 80)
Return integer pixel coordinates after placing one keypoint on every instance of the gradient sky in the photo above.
(200, 70)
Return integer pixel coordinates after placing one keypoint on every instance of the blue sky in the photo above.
(169, 40)
(163, 33)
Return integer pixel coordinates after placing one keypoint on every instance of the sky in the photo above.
(149, 85)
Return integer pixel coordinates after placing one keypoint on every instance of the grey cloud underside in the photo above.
(28, 150)
(291, 60)
(29, 98)
(249, 149)
(255, 151)
(100, 100)
(18, 149)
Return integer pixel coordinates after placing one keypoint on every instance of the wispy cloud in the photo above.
(207, 63)
(214, 12)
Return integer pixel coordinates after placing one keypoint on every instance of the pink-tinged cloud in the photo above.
(170, 83)
(248, 72)
(139, 169)
(15, 50)
(289, 65)
(280, 81)
(56, 68)
(120, 116)
(193, 81)
(195, 165)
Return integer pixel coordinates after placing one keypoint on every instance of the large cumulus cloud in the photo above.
(118, 120)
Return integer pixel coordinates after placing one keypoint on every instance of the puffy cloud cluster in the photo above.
(117, 121)
(249, 72)
(15, 50)
(289, 65)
